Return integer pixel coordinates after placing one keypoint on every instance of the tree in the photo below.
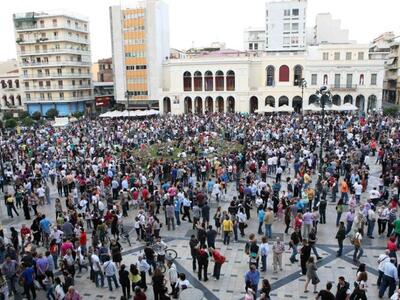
(11, 123)
(78, 114)
(36, 115)
(28, 122)
(52, 113)
(391, 110)
(23, 114)
(7, 115)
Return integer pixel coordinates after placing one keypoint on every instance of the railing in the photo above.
(52, 39)
(50, 51)
(343, 87)
(58, 87)
(56, 75)
(52, 27)
(56, 63)
(65, 99)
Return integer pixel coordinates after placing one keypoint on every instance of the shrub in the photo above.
(23, 114)
(391, 110)
(11, 123)
(36, 115)
(7, 115)
(52, 113)
(28, 122)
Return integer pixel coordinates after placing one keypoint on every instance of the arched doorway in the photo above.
(198, 104)
(219, 81)
(348, 99)
(187, 81)
(198, 81)
(220, 104)
(188, 105)
(167, 105)
(372, 101)
(312, 99)
(270, 101)
(283, 100)
(297, 104)
(230, 104)
(360, 102)
(253, 104)
(208, 81)
(230, 80)
(336, 100)
(209, 105)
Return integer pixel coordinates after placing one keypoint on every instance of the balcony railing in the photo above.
(343, 87)
(58, 87)
(65, 99)
(52, 39)
(51, 51)
(51, 27)
(56, 75)
(55, 63)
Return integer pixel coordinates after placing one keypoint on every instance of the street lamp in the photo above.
(127, 94)
(302, 83)
(324, 98)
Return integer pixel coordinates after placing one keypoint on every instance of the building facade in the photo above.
(10, 87)
(254, 39)
(391, 84)
(140, 44)
(285, 28)
(235, 82)
(329, 31)
(105, 73)
(53, 51)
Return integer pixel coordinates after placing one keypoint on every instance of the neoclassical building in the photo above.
(234, 81)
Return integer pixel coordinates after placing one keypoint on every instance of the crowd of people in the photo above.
(106, 182)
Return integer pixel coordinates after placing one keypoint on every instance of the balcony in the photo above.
(344, 87)
(52, 40)
(36, 27)
(57, 99)
(43, 64)
(56, 75)
(53, 51)
(57, 88)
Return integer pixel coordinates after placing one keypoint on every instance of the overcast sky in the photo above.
(200, 22)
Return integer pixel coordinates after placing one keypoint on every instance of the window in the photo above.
(198, 81)
(373, 78)
(295, 40)
(48, 83)
(54, 22)
(73, 82)
(60, 83)
(284, 73)
(47, 72)
(208, 81)
(266, 13)
(360, 55)
(270, 75)
(313, 79)
(286, 26)
(61, 94)
(349, 80)
(49, 96)
(250, 46)
(286, 12)
(28, 96)
(255, 46)
(325, 56)
(59, 71)
(26, 84)
(348, 55)
(325, 81)
(230, 80)
(41, 24)
(41, 96)
(337, 56)
(361, 81)
(337, 80)
(286, 40)
(58, 58)
(295, 27)
(295, 12)
(25, 73)
(219, 81)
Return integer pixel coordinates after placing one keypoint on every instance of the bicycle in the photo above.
(170, 254)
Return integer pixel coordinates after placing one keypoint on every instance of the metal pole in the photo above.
(321, 160)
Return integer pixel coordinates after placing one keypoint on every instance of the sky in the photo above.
(201, 22)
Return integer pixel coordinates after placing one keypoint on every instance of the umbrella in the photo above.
(313, 107)
(332, 107)
(347, 106)
(266, 109)
(284, 108)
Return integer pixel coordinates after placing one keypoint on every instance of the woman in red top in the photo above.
(219, 259)
(392, 247)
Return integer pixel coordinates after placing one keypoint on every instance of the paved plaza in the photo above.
(286, 284)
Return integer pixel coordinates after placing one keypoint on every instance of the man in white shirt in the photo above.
(143, 267)
(382, 259)
(97, 270)
(110, 270)
(374, 195)
(172, 276)
(358, 191)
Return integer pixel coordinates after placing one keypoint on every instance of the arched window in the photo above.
(283, 101)
(336, 100)
(270, 101)
(284, 73)
(4, 100)
(187, 82)
(220, 104)
(198, 81)
(230, 80)
(219, 81)
(361, 82)
(17, 83)
(9, 82)
(298, 74)
(209, 105)
(19, 100)
(3, 84)
(372, 101)
(12, 100)
(253, 104)
(270, 76)
(208, 81)
(231, 104)
(348, 99)
(312, 99)
(198, 105)
(188, 105)
(325, 81)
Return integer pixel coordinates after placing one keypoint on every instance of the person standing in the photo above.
(158, 284)
(202, 259)
(172, 277)
(342, 289)
(123, 275)
(305, 253)
(340, 236)
(9, 270)
(382, 259)
(143, 267)
(27, 277)
(261, 216)
(358, 250)
(227, 228)
(390, 278)
(193, 243)
(252, 278)
(110, 271)
(264, 251)
(294, 242)
(219, 259)
(268, 219)
(211, 236)
(277, 249)
(311, 275)
(326, 294)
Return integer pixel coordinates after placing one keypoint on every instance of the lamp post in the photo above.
(324, 99)
(303, 84)
(127, 102)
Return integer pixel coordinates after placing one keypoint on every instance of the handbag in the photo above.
(315, 280)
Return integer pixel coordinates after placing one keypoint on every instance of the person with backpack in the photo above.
(219, 260)
(358, 250)
(202, 259)
(252, 249)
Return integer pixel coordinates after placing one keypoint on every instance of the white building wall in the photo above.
(275, 20)
(328, 30)
(117, 43)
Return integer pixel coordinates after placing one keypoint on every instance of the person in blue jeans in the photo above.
(390, 277)
(294, 242)
(28, 276)
(252, 278)
(110, 270)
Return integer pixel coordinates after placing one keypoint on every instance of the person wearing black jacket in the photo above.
(193, 243)
(340, 236)
(305, 254)
(124, 281)
(202, 259)
(343, 289)
(201, 235)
